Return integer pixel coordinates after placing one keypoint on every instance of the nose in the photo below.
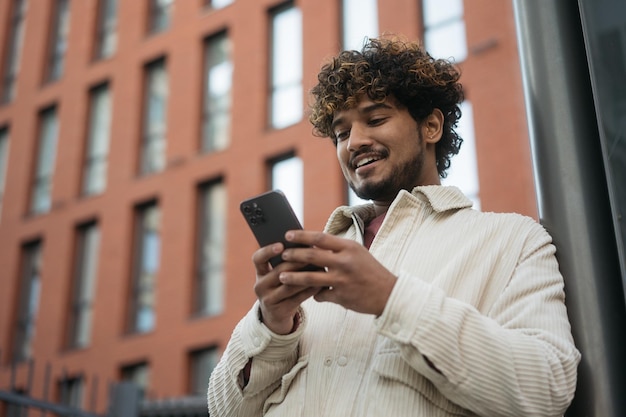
(359, 137)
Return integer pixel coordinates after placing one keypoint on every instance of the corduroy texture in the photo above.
(476, 325)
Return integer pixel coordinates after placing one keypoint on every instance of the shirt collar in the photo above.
(440, 198)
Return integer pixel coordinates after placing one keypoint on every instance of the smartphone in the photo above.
(270, 216)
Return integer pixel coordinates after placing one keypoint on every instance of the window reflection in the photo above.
(286, 79)
(444, 29)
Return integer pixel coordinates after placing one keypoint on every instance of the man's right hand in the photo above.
(279, 302)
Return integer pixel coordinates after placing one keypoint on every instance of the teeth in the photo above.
(365, 161)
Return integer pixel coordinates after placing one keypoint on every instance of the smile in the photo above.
(365, 161)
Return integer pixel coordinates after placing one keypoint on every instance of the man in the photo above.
(426, 307)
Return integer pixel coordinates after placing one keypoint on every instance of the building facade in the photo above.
(130, 131)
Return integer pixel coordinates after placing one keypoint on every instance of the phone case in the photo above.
(270, 216)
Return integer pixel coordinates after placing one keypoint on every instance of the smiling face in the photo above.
(381, 149)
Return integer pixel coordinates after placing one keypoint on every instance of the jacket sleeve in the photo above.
(272, 357)
(517, 359)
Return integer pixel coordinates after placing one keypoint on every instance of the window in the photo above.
(15, 39)
(98, 133)
(30, 284)
(106, 36)
(42, 184)
(286, 175)
(353, 199)
(286, 70)
(217, 93)
(209, 286)
(4, 158)
(444, 29)
(360, 21)
(71, 392)
(155, 113)
(463, 171)
(160, 15)
(58, 39)
(146, 263)
(201, 363)
(138, 373)
(218, 4)
(86, 262)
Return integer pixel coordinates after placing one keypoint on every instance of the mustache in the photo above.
(380, 153)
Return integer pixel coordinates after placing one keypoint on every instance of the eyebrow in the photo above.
(367, 109)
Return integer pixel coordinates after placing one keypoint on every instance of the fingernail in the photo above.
(289, 235)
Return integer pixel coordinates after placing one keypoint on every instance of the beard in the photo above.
(404, 177)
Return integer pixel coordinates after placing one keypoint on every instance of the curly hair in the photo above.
(391, 67)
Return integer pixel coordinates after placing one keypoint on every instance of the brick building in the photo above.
(131, 130)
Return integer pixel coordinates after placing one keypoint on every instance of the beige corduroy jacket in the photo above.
(476, 325)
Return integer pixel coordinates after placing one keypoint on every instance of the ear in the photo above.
(432, 126)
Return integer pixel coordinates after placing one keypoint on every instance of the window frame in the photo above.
(13, 51)
(137, 290)
(57, 45)
(106, 29)
(210, 110)
(154, 129)
(4, 162)
(94, 160)
(284, 87)
(43, 170)
(83, 284)
(205, 278)
(28, 300)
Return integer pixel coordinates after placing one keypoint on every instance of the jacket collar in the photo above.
(438, 197)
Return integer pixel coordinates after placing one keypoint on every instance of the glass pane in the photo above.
(147, 264)
(448, 41)
(59, 40)
(84, 282)
(218, 4)
(150, 255)
(286, 68)
(212, 251)
(360, 21)
(45, 162)
(14, 51)
(98, 141)
(95, 176)
(4, 151)
(216, 128)
(41, 198)
(287, 47)
(439, 11)
(287, 177)
(29, 301)
(463, 171)
(139, 374)
(107, 29)
(287, 106)
(355, 200)
(47, 144)
(202, 364)
(604, 27)
(157, 93)
(160, 14)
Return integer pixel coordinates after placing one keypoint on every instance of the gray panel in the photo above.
(573, 196)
